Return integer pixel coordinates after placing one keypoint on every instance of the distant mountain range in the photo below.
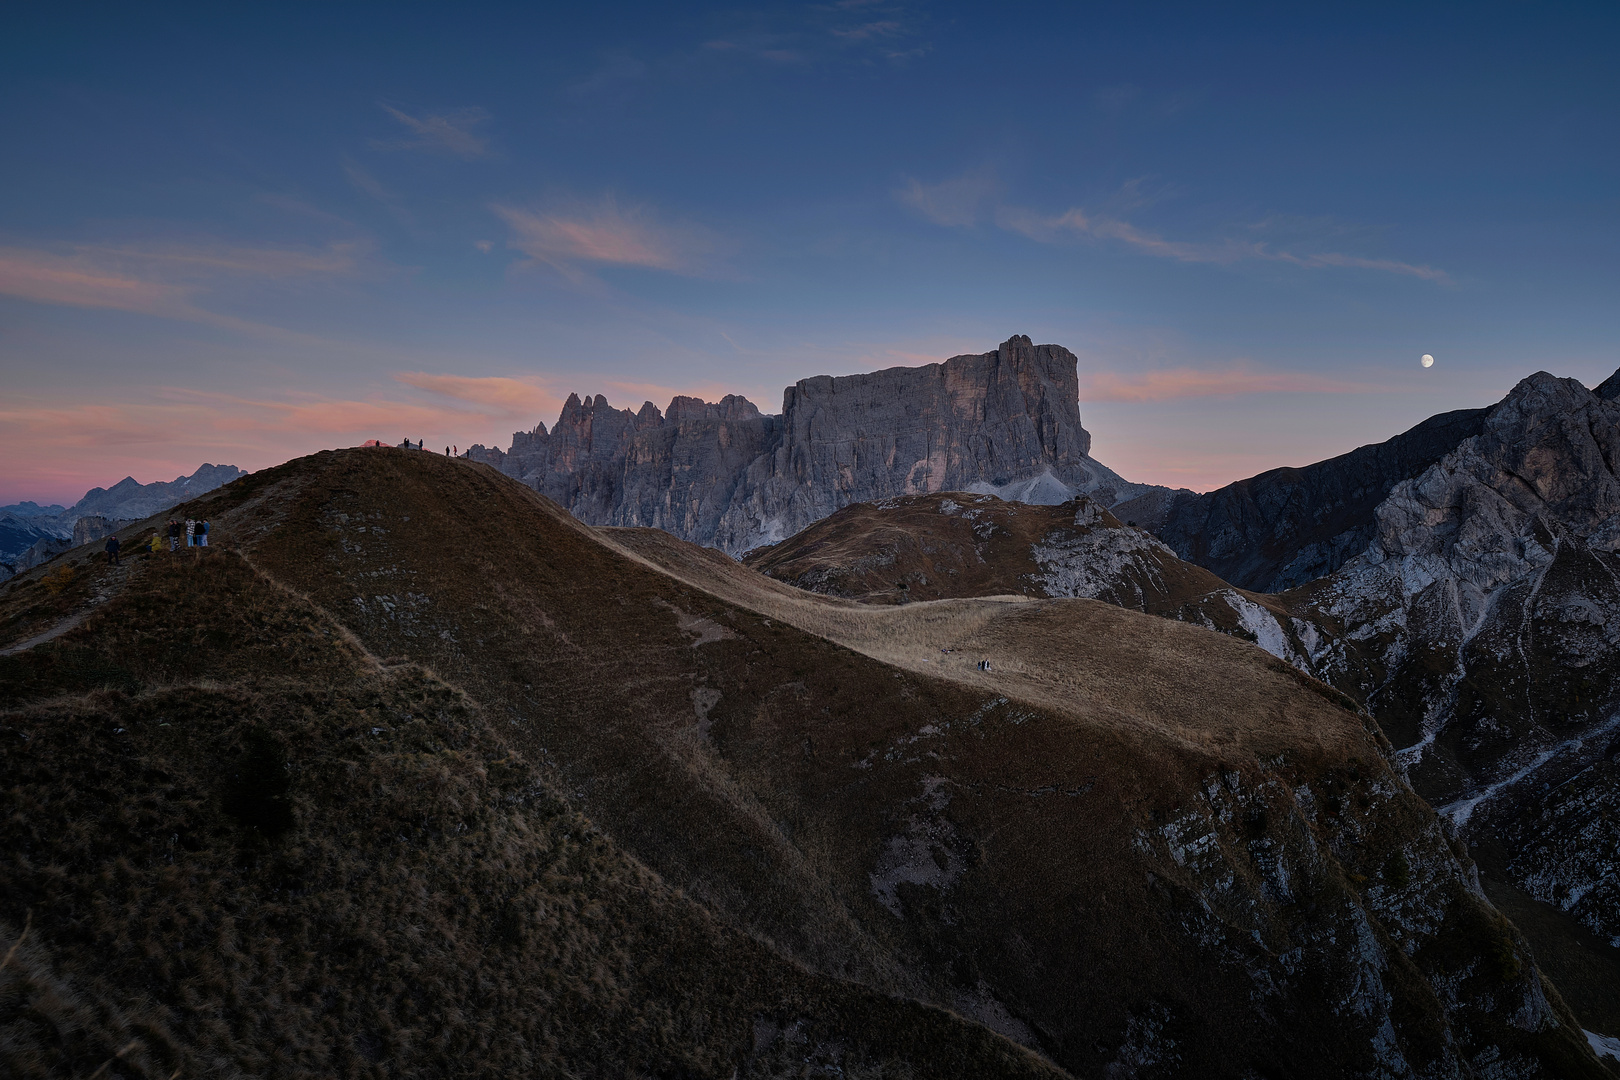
(30, 533)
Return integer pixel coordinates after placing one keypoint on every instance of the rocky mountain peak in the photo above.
(1005, 422)
(1549, 453)
(1609, 388)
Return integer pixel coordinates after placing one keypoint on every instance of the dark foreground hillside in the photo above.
(416, 775)
(258, 852)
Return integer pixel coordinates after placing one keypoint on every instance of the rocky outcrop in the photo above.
(1005, 423)
(95, 527)
(1489, 603)
(1482, 628)
(1285, 527)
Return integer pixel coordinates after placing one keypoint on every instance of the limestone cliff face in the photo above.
(1005, 422)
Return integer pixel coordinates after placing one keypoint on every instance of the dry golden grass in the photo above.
(1063, 655)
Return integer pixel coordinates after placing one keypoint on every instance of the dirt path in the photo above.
(54, 632)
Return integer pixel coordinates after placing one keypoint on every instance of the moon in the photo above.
(1427, 360)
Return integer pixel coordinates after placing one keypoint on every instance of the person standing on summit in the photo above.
(112, 550)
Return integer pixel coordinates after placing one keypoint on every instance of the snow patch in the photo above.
(1603, 1045)
(1268, 633)
(1042, 490)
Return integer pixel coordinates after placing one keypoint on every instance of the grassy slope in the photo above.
(863, 552)
(955, 545)
(268, 854)
(1084, 854)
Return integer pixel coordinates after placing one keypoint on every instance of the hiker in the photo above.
(447, 451)
(191, 532)
(202, 533)
(112, 550)
(174, 534)
(156, 544)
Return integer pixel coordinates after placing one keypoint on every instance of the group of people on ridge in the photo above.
(195, 531)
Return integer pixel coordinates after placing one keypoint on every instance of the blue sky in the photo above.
(239, 236)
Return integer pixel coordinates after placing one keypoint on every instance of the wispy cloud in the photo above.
(881, 28)
(47, 278)
(496, 394)
(863, 33)
(1077, 222)
(1186, 382)
(955, 202)
(606, 234)
(617, 74)
(449, 132)
(161, 280)
(1332, 258)
(368, 185)
(772, 48)
(202, 261)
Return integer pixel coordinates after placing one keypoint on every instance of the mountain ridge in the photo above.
(1076, 847)
(1004, 422)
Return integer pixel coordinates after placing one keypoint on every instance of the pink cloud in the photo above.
(53, 279)
(1229, 381)
(605, 234)
(503, 396)
(161, 281)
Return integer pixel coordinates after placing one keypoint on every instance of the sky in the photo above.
(239, 234)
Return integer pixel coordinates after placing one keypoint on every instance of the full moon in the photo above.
(1427, 361)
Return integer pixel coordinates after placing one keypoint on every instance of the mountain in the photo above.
(1480, 624)
(1285, 527)
(31, 510)
(128, 500)
(1005, 422)
(414, 771)
(934, 547)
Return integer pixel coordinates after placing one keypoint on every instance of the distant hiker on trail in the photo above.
(174, 534)
(447, 451)
(112, 550)
(457, 449)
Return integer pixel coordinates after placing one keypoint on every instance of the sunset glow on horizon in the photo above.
(238, 237)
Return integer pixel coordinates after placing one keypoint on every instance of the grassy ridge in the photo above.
(272, 857)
